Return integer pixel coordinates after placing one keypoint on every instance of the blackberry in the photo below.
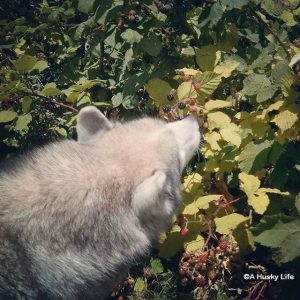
(296, 67)
(296, 87)
(181, 105)
(166, 108)
(170, 97)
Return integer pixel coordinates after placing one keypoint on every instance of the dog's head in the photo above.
(150, 153)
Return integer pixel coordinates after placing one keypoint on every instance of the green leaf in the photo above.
(117, 99)
(7, 116)
(227, 224)
(297, 202)
(86, 6)
(156, 266)
(26, 103)
(206, 57)
(254, 156)
(41, 65)
(158, 90)
(139, 285)
(131, 36)
(152, 45)
(22, 123)
(288, 18)
(25, 63)
(231, 4)
(284, 238)
(260, 85)
(50, 89)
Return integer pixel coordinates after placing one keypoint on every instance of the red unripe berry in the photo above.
(199, 281)
(186, 77)
(212, 275)
(184, 231)
(202, 258)
(132, 12)
(120, 297)
(197, 86)
(182, 272)
(223, 245)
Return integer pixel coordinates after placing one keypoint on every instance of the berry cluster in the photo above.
(204, 268)
(182, 106)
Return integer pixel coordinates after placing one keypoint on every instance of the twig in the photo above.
(53, 101)
(271, 31)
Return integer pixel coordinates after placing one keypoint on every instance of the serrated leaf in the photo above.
(227, 224)
(25, 63)
(285, 120)
(216, 104)
(249, 183)
(230, 136)
(7, 116)
(131, 36)
(171, 245)
(156, 266)
(187, 71)
(284, 238)
(260, 85)
(225, 68)
(194, 245)
(288, 18)
(158, 90)
(217, 120)
(209, 82)
(139, 285)
(22, 123)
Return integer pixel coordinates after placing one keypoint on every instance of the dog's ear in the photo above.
(147, 193)
(91, 121)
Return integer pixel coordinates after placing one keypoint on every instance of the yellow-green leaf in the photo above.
(259, 201)
(216, 104)
(7, 116)
(285, 120)
(190, 209)
(139, 285)
(206, 57)
(217, 120)
(196, 244)
(274, 191)
(231, 136)
(212, 139)
(226, 67)
(204, 201)
(186, 89)
(227, 224)
(249, 183)
(25, 63)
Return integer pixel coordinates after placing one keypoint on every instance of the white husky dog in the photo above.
(74, 216)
